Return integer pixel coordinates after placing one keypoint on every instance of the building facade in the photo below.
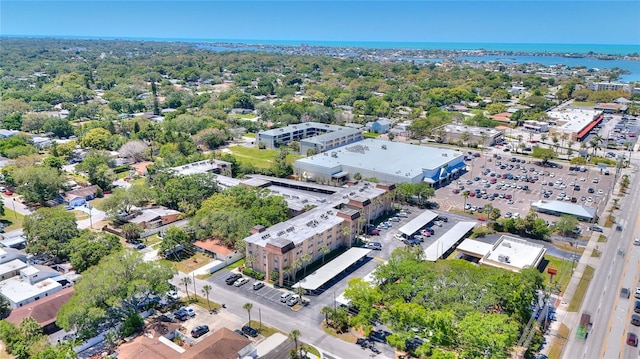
(315, 136)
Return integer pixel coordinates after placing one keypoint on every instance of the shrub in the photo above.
(253, 274)
(132, 324)
(120, 169)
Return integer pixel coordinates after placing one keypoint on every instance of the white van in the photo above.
(285, 296)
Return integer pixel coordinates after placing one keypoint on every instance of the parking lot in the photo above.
(510, 183)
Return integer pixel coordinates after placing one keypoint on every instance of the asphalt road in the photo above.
(618, 267)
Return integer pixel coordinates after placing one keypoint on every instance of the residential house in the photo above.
(33, 283)
(154, 217)
(78, 197)
(44, 311)
(502, 117)
(140, 168)
(218, 250)
(382, 125)
(9, 254)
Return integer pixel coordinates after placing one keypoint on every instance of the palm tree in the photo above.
(295, 266)
(248, 306)
(465, 136)
(564, 137)
(327, 312)
(346, 232)
(465, 194)
(249, 260)
(324, 250)
(543, 137)
(305, 259)
(206, 289)
(294, 335)
(186, 281)
(286, 271)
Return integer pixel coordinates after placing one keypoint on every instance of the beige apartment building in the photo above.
(280, 249)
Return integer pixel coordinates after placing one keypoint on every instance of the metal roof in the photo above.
(561, 207)
(415, 224)
(444, 243)
(316, 279)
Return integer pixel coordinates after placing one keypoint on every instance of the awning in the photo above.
(340, 174)
(429, 180)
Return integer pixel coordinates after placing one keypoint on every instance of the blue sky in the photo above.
(507, 21)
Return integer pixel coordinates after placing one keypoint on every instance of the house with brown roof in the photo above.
(140, 168)
(154, 217)
(43, 311)
(222, 344)
(502, 117)
(218, 250)
(78, 197)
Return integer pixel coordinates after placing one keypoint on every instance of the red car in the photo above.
(8, 192)
(507, 196)
(472, 194)
(456, 191)
(632, 339)
(481, 219)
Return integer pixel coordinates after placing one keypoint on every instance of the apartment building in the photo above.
(317, 136)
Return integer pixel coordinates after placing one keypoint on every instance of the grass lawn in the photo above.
(152, 240)
(566, 246)
(190, 264)
(202, 301)
(80, 215)
(559, 342)
(583, 103)
(12, 220)
(97, 203)
(595, 253)
(564, 272)
(257, 157)
(235, 265)
(250, 135)
(265, 330)
(578, 296)
(139, 181)
(371, 135)
(243, 115)
(347, 337)
(602, 238)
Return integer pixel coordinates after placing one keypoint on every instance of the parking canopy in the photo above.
(415, 224)
(448, 240)
(327, 272)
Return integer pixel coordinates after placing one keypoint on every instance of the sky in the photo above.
(506, 21)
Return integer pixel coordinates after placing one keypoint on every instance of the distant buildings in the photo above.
(576, 124)
(507, 252)
(387, 161)
(213, 166)
(315, 136)
(536, 126)
(480, 135)
(609, 86)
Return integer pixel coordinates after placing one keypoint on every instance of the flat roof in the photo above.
(11, 266)
(575, 120)
(476, 248)
(514, 254)
(369, 278)
(392, 158)
(420, 221)
(316, 279)
(17, 290)
(448, 240)
(199, 167)
(473, 130)
(564, 208)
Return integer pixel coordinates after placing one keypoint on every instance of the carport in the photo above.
(318, 278)
(415, 224)
(441, 246)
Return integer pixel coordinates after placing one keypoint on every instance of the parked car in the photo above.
(374, 245)
(199, 331)
(240, 282)
(637, 295)
(250, 331)
(636, 242)
(233, 278)
(240, 332)
(596, 228)
(632, 339)
(258, 285)
(172, 294)
(139, 246)
(293, 300)
(635, 319)
(398, 236)
(625, 293)
(374, 232)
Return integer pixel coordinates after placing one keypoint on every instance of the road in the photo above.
(617, 267)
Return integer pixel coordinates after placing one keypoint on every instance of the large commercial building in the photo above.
(392, 162)
(338, 216)
(507, 252)
(479, 135)
(576, 124)
(610, 86)
(315, 136)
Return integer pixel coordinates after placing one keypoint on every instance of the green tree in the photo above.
(186, 281)
(97, 138)
(97, 165)
(49, 230)
(60, 127)
(545, 154)
(173, 237)
(324, 250)
(305, 259)
(131, 231)
(206, 290)
(186, 193)
(124, 200)
(487, 335)
(248, 306)
(38, 184)
(113, 289)
(87, 249)
(566, 224)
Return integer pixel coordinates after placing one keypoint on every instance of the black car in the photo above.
(199, 331)
(239, 332)
(233, 278)
(637, 307)
(250, 331)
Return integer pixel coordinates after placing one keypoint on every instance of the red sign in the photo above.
(552, 271)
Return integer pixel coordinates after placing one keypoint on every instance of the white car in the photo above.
(293, 300)
(172, 294)
(398, 236)
(600, 191)
(582, 179)
(589, 199)
(240, 282)
(516, 215)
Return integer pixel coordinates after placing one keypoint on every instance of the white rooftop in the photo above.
(17, 290)
(393, 158)
(199, 167)
(480, 249)
(514, 254)
(447, 240)
(316, 279)
(474, 130)
(11, 266)
(420, 221)
(575, 120)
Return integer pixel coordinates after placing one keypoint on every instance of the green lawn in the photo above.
(250, 135)
(371, 135)
(257, 157)
(578, 296)
(12, 220)
(564, 272)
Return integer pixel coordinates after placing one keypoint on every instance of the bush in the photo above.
(132, 324)
(607, 161)
(253, 274)
(120, 169)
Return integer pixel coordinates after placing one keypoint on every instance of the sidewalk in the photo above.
(570, 319)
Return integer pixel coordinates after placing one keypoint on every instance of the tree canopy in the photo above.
(49, 230)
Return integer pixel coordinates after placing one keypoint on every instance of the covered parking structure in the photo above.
(332, 269)
(448, 240)
(420, 221)
(559, 208)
